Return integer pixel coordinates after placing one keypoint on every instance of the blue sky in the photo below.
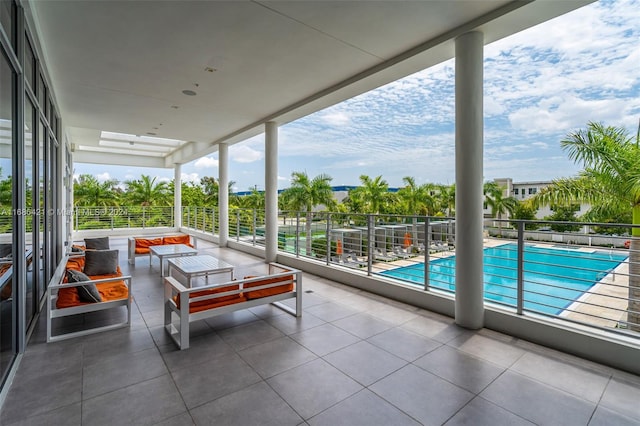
(540, 85)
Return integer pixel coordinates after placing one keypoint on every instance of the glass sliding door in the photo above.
(40, 210)
(7, 209)
(30, 151)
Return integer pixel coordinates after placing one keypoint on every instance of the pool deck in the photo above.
(605, 304)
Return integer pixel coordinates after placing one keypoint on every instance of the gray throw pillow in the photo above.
(5, 250)
(100, 262)
(101, 243)
(87, 293)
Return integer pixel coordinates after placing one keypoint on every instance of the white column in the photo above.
(469, 305)
(223, 194)
(177, 195)
(271, 191)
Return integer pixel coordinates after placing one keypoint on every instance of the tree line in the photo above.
(609, 184)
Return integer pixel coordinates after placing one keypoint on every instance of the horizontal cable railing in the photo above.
(578, 272)
(92, 218)
(203, 219)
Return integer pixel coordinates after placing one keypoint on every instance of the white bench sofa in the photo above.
(193, 304)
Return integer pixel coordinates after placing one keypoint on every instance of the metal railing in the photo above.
(89, 218)
(574, 271)
(200, 218)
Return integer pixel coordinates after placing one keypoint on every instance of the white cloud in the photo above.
(283, 179)
(573, 112)
(205, 163)
(541, 145)
(190, 177)
(336, 119)
(103, 177)
(244, 154)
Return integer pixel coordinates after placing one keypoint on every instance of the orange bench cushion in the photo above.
(203, 305)
(68, 297)
(177, 239)
(143, 244)
(8, 288)
(76, 263)
(256, 294)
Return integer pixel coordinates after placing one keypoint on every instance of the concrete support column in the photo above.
(469, 305)
(223, 194)
(271, 191)
(177, 195)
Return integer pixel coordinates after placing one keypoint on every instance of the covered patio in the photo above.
(114, 84)
(353, 358)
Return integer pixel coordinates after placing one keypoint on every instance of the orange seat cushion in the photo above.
(144, 244)
(116, 290)
(256, 294)
(178, 239)
(68, 297)
(4, 267)
(203, 305)
(76, 263)
(6, 291)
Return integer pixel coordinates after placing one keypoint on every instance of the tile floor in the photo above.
(352, 359)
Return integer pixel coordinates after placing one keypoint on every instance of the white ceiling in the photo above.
(121, 66)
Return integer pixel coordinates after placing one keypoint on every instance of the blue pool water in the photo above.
(553, 278)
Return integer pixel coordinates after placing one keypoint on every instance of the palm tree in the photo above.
(373, 192)
(146, 192)
(610, 181)
(88, 191)
(211, 187)
(305, 194)
(494, 197)
(417, 200)
(255, 200)
(446, 196)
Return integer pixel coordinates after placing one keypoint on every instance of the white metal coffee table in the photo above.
(170, 250)
(199, 266)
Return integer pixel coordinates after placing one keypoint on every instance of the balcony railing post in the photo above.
(76, 215)
(520, 283)
(370, 242)
(427, 244)
(237, 225)
(297, 240)
(328, 236)
(255, 225)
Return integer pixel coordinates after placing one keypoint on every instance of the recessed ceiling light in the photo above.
(189, 92)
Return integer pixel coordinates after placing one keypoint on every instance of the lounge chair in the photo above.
(438, 246)
(400, 252)
(351, 260)
(383, 256)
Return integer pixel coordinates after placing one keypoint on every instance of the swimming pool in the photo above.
(553, 277)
